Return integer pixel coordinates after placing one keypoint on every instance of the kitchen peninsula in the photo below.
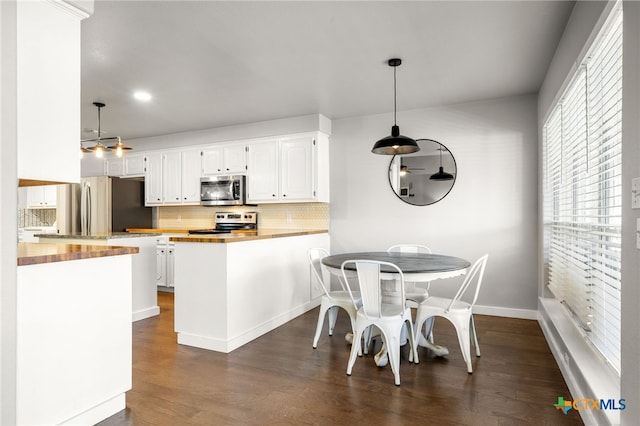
(232, 288)
(144, 294)
(73, 337)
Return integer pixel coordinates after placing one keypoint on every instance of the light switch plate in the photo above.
(635, 193)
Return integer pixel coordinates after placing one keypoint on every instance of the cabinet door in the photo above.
(50, 196)
(234, 158)
(170, 271)
(191, 177)
(115, 166)
(212, 159)
(153, 179)
(262, 173)
(171, 177)
(161, 265)
(297, 169)
(41, 197)
(134, 165)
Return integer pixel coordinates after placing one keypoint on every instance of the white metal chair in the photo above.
(457, 311)
(415, 295)
(331, 300)
(389, 316)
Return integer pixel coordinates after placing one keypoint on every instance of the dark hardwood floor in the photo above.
(279, 379)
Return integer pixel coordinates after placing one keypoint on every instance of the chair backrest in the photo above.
(474, 274)
(369, 279)
(409, 248)
(315, 256)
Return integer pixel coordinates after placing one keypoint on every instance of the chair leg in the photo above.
(323, 310)
(462, 330)
(472, 328)
(413, 346)
(333, 316)
(355, 349)
(393, 352)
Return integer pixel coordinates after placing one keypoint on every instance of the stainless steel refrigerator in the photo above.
(108, 204)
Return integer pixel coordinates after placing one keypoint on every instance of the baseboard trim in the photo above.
(228, 345)
(495, 311)
(100, 412)
(145, 313)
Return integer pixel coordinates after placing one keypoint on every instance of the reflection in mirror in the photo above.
(423, 177)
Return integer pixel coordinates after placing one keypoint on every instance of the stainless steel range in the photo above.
(230, 221)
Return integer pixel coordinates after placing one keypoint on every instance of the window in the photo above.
(582, 193)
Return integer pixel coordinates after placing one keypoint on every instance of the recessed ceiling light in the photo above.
(142, 96)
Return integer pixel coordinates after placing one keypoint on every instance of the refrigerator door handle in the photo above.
(83, 213)
(88, 209)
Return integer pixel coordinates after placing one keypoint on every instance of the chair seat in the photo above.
(443, 303)
(344, 296)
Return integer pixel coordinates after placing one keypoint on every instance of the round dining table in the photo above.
(416, 267)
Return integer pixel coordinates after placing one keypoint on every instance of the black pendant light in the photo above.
(441, 174)
(396, 143)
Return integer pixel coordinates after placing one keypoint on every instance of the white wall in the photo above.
(630, 375)
(491, 209)
(8, 216)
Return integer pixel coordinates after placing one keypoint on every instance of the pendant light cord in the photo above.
(394, 96)
(99, 124)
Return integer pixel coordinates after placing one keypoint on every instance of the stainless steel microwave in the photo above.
(222, 190)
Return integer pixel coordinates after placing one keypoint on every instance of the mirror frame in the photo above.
(405, 199)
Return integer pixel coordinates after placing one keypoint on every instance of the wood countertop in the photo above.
(99, 236)
(158, 230)
(38, 253)
(239, 236)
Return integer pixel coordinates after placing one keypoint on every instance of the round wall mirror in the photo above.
(424, 177)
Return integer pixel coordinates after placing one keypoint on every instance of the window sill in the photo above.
(587, 374)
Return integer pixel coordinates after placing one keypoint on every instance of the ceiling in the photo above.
(214, 63)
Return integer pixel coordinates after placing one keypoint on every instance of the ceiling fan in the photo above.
(99, 148)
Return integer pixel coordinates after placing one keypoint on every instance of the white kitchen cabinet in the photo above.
(171, 177)
(133, 165)
(153, 179)
(224, 159)
(190, 176)
(114, 166)
(297, 169)
(48, 90)
(42, 197)
(90, 165)
(262, 172)
(129, 165)
(290, 169)
(165, 262)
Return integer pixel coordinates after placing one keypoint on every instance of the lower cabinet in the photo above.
(165, 263)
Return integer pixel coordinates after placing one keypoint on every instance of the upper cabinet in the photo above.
(224, 159)
(38, 197)
(172, 177)
(130, 165)
(48, 91)
(289, 169)
(153, 179)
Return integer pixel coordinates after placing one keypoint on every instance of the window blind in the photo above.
(582, 193)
